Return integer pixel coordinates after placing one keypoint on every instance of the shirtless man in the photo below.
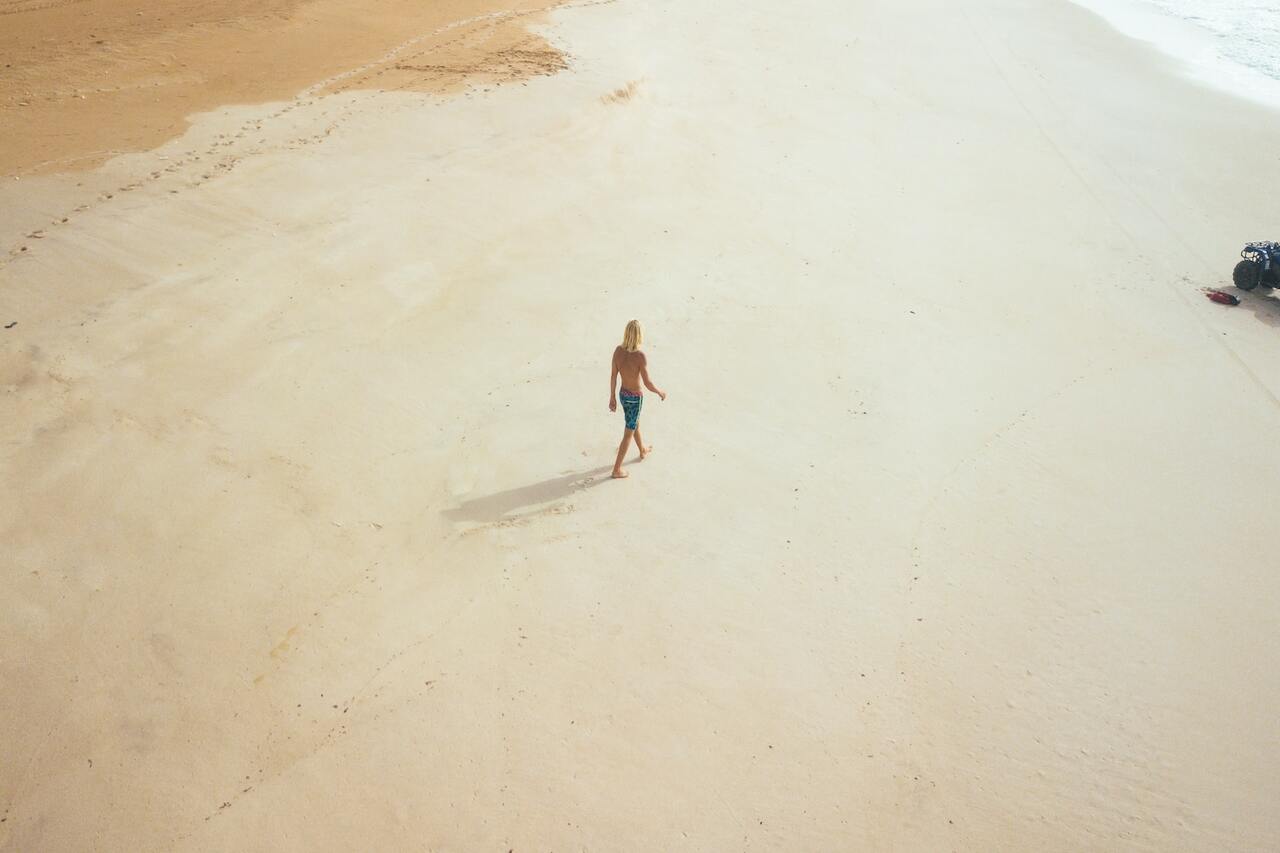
(633, 367)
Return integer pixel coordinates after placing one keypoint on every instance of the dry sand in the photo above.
(86, 79)
(960, 530)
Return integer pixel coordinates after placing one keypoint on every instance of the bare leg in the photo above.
(618, 473)
(644, 448)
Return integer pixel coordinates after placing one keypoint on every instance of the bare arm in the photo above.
(613, 384)
(648, 383)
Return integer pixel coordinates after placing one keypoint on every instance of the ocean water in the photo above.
(1244, 32)
(1233, 44)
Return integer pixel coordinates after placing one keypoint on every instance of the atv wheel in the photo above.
(1246, 275)
(1272, 278)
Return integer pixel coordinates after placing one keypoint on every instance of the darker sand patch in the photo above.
(83, 80)
(623, 93)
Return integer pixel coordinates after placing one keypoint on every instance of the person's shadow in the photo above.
(501, 506)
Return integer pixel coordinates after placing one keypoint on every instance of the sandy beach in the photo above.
(85, 80)
(959, 533)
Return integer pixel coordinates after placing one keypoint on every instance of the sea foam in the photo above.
(1233, 44)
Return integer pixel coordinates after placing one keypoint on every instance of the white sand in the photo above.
(960, 531)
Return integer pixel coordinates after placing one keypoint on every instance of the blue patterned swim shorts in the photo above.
(631, 407)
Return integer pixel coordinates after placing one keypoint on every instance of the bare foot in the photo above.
(619, 474)
(645, 451)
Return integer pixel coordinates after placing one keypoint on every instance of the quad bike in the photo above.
(1261, 265)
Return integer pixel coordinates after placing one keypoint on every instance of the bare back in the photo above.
(630, 366)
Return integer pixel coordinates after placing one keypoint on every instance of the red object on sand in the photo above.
(1224, 298)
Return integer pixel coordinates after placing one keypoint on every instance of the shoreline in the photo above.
(1190, 47)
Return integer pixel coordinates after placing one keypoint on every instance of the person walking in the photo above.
(633, 366)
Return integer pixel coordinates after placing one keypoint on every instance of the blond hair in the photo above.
(633, 337)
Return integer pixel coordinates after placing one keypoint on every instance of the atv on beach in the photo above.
(1261, 265)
